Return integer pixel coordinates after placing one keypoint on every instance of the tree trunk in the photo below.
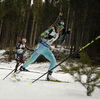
(26, 26)
(1, 26)
(11, 45)
(34, 39)
(67, 25)
(31, 36)
(27, 19)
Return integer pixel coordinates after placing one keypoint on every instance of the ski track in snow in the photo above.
(12, 89)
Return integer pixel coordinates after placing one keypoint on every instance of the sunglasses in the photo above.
(60, 27)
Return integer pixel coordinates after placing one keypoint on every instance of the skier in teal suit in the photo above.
(47, 38)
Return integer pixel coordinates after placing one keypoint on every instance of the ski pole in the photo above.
(61, 47)
(67, 58)
(68, 32)
(17, 67)
(14, 69)
(9, 57)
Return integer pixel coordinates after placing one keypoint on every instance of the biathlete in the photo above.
(47, 38)
(21, 46)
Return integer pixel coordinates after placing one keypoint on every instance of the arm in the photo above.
(64, 36)
(28, 48)
(18, 46)
(46, 34)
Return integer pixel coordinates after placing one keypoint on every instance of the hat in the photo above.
(24, 40)
(60, 23)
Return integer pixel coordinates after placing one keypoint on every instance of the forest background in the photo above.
(21, 19)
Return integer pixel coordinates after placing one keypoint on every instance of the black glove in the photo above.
(64, 32)
(31, 50)
(68, 31)
(23, 48)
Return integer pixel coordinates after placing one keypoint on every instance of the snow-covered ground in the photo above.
(1, 52)
(12, 89)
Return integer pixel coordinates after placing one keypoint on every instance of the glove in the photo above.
(65, 36)
(31, 50)
(68, 31)
(23, 48)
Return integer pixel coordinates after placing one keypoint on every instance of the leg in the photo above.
(18, 61)
(34, 56)
(31, 59)
(49, 55)
(16, 66)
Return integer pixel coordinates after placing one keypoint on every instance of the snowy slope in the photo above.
(12, 89)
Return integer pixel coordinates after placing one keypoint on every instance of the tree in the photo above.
(37, 7)
(84, 70)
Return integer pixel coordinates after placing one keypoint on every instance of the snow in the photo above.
(1, 52)
(12, 89)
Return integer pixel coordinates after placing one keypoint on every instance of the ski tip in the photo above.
(30, 83)
(61, 82)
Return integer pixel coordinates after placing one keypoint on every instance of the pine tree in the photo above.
(84, 69)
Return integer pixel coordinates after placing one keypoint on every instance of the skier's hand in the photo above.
(68, 31)
(23, 48)
(31, 50)
(65, 36)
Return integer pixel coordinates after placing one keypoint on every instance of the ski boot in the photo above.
(23, 69)
(50, 77)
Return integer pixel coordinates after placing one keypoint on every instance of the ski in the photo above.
(29, 71)
(19, 71)
(59, 81)
(6, 68)
(15, 77)
(56, 81)
(32, 72)
(23, 71)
